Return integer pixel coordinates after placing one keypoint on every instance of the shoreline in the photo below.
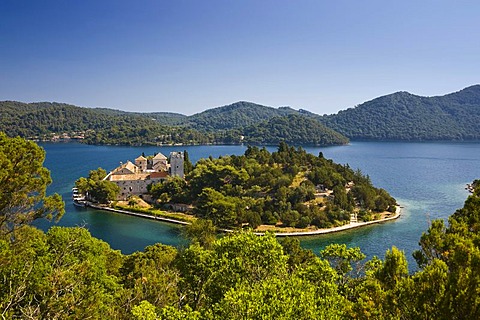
(354, 225)
(136, 214)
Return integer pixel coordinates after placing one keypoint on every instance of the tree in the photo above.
(208, 274)
(393, 269)
(201, 231)
(64, 274)
(452, 255)
(23, 185)
(150, 276)
(96, 188)
(292, 298)
(187, 164)
(222, 210)
(344, 260)
(173, 189)
(297, 256)
(105, 191)
(144, 311)
(244, 258)
(341, 198)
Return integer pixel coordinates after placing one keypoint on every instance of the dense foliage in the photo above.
(237, 115)
(95, 126)
(288, 187)
(68, 274)
(23, 185)
(294, 130)
(96, 189)
(398, 116)
(225, 125)
(403, 116)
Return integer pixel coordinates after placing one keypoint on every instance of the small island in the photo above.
(286, 192)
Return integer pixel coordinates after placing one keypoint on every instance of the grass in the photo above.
(159, 213)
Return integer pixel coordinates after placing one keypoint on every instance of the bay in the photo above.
(427, 179)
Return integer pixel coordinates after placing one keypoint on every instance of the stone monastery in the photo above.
(133, 179)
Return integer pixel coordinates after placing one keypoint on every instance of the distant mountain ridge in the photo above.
(224, 125)
(398, 116)
(407, 117)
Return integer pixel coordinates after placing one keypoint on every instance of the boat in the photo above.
(78, 198)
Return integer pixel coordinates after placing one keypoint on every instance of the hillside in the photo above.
(399, 116)
(163, 118)
(224, 125)
(237, 115)
(293, 129)
(49, 121)
(404, 116)
(289, 187)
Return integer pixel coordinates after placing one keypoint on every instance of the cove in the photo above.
(427, 179)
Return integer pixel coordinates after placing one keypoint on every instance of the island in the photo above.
(285, 192)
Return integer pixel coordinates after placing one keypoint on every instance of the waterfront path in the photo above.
(138, 214)
(351, 225)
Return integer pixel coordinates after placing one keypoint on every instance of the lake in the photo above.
(427, 179)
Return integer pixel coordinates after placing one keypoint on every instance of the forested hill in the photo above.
(237, 115)
(293, 129)
(224, 125)
(398, 116)
(49, 121)
(404, 116)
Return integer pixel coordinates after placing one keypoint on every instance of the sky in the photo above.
(189, 56)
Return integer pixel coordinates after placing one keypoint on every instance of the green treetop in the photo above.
(23, 185)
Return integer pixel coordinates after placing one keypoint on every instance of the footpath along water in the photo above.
(428, 179)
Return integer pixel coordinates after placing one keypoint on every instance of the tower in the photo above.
(176, 164)
(141, 163)
(159, 162)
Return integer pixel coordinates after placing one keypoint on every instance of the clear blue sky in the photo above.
(188, 56)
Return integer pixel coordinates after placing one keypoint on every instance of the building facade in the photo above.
(177, 164)
(133, 179)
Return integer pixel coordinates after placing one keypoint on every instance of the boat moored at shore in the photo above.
(78, 198)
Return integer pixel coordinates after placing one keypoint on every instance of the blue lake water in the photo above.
(428, 179)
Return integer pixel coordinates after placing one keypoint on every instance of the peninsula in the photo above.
(287, 191)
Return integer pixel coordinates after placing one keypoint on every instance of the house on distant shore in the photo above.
(134, 178)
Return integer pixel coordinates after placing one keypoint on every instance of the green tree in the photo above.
(201, 231)
(297, 256)
(174, 189)
(428, 290)
(23, 184)
(187, 164)
(196, 269)
(222, 210)
(346, 261)
(341, 198)
(150, 276)
(292, 298)
(144, 311)
(96, 188)
(394, 269)
(64, 274)
(207, 274)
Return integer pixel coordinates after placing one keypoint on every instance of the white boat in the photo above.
(78, 198)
